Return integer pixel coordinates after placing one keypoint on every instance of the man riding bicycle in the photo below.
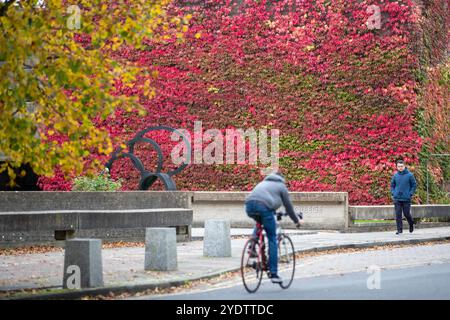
(261, 205)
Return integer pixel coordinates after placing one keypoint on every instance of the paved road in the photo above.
(404, 273)
(424, 282)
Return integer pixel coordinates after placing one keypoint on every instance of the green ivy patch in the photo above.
(292, 143)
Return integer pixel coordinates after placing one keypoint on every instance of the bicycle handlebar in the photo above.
(281, 214)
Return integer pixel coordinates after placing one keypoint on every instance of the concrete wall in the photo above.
(32, 217)
(96, 200)
(93, 219)
(387, 212)
(322, 210)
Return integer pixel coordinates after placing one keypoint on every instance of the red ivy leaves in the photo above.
(344, 93)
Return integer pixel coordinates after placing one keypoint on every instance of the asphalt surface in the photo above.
(423, 282)
(399, 274)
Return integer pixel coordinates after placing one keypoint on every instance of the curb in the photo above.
(119, 289)
(237, 236)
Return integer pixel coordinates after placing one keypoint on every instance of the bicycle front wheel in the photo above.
(286, 260)
(251, 266)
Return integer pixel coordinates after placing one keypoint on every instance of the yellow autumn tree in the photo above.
(51, 84)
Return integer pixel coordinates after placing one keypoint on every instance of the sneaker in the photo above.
(399, 232)
(276, 279)
(411, 228)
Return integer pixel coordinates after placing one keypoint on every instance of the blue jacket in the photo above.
(403, 185)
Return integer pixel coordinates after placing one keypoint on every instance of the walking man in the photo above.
(403, 187)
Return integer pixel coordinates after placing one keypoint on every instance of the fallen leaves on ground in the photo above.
(28, 250)
(52, 248)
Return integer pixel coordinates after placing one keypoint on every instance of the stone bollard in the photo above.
(160, 249)
(83, 264)
(217, 239)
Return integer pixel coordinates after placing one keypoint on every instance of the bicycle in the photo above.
(254, 260)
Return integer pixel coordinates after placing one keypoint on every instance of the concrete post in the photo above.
(160, 249)
(83, 264)
(217, 239)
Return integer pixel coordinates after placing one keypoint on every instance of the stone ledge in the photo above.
(92, 200)
(232, 196)
(387, 211)
(93, 219)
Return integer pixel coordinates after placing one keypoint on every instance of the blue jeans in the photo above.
(261, 213)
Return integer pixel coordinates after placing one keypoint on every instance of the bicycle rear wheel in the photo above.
(286, 260)
(251, 266)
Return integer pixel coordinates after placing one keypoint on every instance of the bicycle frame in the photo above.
(260, 236)
(262, 263)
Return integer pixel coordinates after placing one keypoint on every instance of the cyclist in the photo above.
(261, 205)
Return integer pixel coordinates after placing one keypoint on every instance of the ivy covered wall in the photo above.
(348, 99)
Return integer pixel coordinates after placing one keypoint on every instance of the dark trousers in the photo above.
(405, 207)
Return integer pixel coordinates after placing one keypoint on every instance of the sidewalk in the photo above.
(123, 268)
(198, 233)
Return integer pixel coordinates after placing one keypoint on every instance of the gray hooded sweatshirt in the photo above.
(272, 191)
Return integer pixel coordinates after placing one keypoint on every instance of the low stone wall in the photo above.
(386, 214)
(387, 211)
(33, 217)
(322, 210)
(96, 200)
(125, 225)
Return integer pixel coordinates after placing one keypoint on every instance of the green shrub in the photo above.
(102, 182)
